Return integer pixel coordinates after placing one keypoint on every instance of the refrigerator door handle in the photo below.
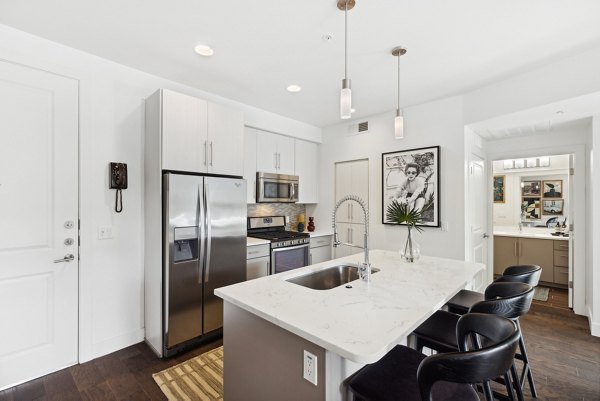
(201, 232)
(208, 231)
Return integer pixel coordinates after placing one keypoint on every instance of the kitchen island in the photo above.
(269, 322)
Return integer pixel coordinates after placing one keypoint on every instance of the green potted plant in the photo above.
(400, 212)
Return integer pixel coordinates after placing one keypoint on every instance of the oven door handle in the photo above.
(289, 248)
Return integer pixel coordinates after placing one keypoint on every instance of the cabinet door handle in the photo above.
(275, 160)
(515, 250)
(310, 259)
(211, 153)
(278, 160)
(205, 152)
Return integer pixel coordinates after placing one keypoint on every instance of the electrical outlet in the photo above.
(310, 367)
(105, 232)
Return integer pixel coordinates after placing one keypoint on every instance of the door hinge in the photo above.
(571, 227)
(571, 171)
(571, 284)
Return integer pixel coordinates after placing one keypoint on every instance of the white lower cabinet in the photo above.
(258, 260)
(320, 249)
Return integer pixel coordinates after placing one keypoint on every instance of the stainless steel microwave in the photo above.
(279, 188)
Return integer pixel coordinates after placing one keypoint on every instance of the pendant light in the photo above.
(399, 120)
(345, 93)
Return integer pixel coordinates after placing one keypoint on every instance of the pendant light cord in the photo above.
(346, 40)
(398, 82)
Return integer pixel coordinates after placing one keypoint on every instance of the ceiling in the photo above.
(263, 46)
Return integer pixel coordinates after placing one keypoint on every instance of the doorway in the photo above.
(531, 220)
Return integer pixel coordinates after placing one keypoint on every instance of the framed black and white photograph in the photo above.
(413, 177)
(552, 207)
(552, 188)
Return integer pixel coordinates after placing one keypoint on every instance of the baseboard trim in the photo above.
(116, 343)
(594, 326)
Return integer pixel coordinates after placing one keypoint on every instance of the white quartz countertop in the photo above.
(536, 233)
(251, 241)
(364, 322)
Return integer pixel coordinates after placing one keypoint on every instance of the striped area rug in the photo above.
(200, 378)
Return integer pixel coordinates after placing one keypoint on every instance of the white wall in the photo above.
(555, 81)
(111, 129)
(435, 123)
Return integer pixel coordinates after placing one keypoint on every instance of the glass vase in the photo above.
(411, 252)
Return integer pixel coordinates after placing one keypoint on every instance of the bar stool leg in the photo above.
(526, 368)
(516, 382)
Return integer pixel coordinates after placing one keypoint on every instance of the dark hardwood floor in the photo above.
(564, 356)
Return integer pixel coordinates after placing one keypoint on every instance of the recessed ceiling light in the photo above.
(294, 88)
(204, 50)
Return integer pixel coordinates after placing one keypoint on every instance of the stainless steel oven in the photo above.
(289, 249)
(284, 258)
(279, 188)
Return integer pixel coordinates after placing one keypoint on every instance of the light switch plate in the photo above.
(105, 232)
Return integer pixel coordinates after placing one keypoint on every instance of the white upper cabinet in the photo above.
(250, 163)
(183, 132)
(275, 153)
(200, 136)
(225, 140)
(306, 160)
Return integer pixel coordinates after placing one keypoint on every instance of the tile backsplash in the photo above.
(279, 209)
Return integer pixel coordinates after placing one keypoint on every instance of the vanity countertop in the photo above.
(529, 232)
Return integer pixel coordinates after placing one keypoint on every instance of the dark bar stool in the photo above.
(508, 299)
(408, 375)
(528, 274)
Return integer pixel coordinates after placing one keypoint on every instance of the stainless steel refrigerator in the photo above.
(204, 232)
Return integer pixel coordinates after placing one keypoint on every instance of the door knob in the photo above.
(485, 235)
(68, 258)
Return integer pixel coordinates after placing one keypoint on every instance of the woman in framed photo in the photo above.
(412, 190)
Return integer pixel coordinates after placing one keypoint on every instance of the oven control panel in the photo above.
(290, 242)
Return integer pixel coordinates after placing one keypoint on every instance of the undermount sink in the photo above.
(329, 278)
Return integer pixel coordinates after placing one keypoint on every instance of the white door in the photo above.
(571, 216)
(477, 214)
(38, 223)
